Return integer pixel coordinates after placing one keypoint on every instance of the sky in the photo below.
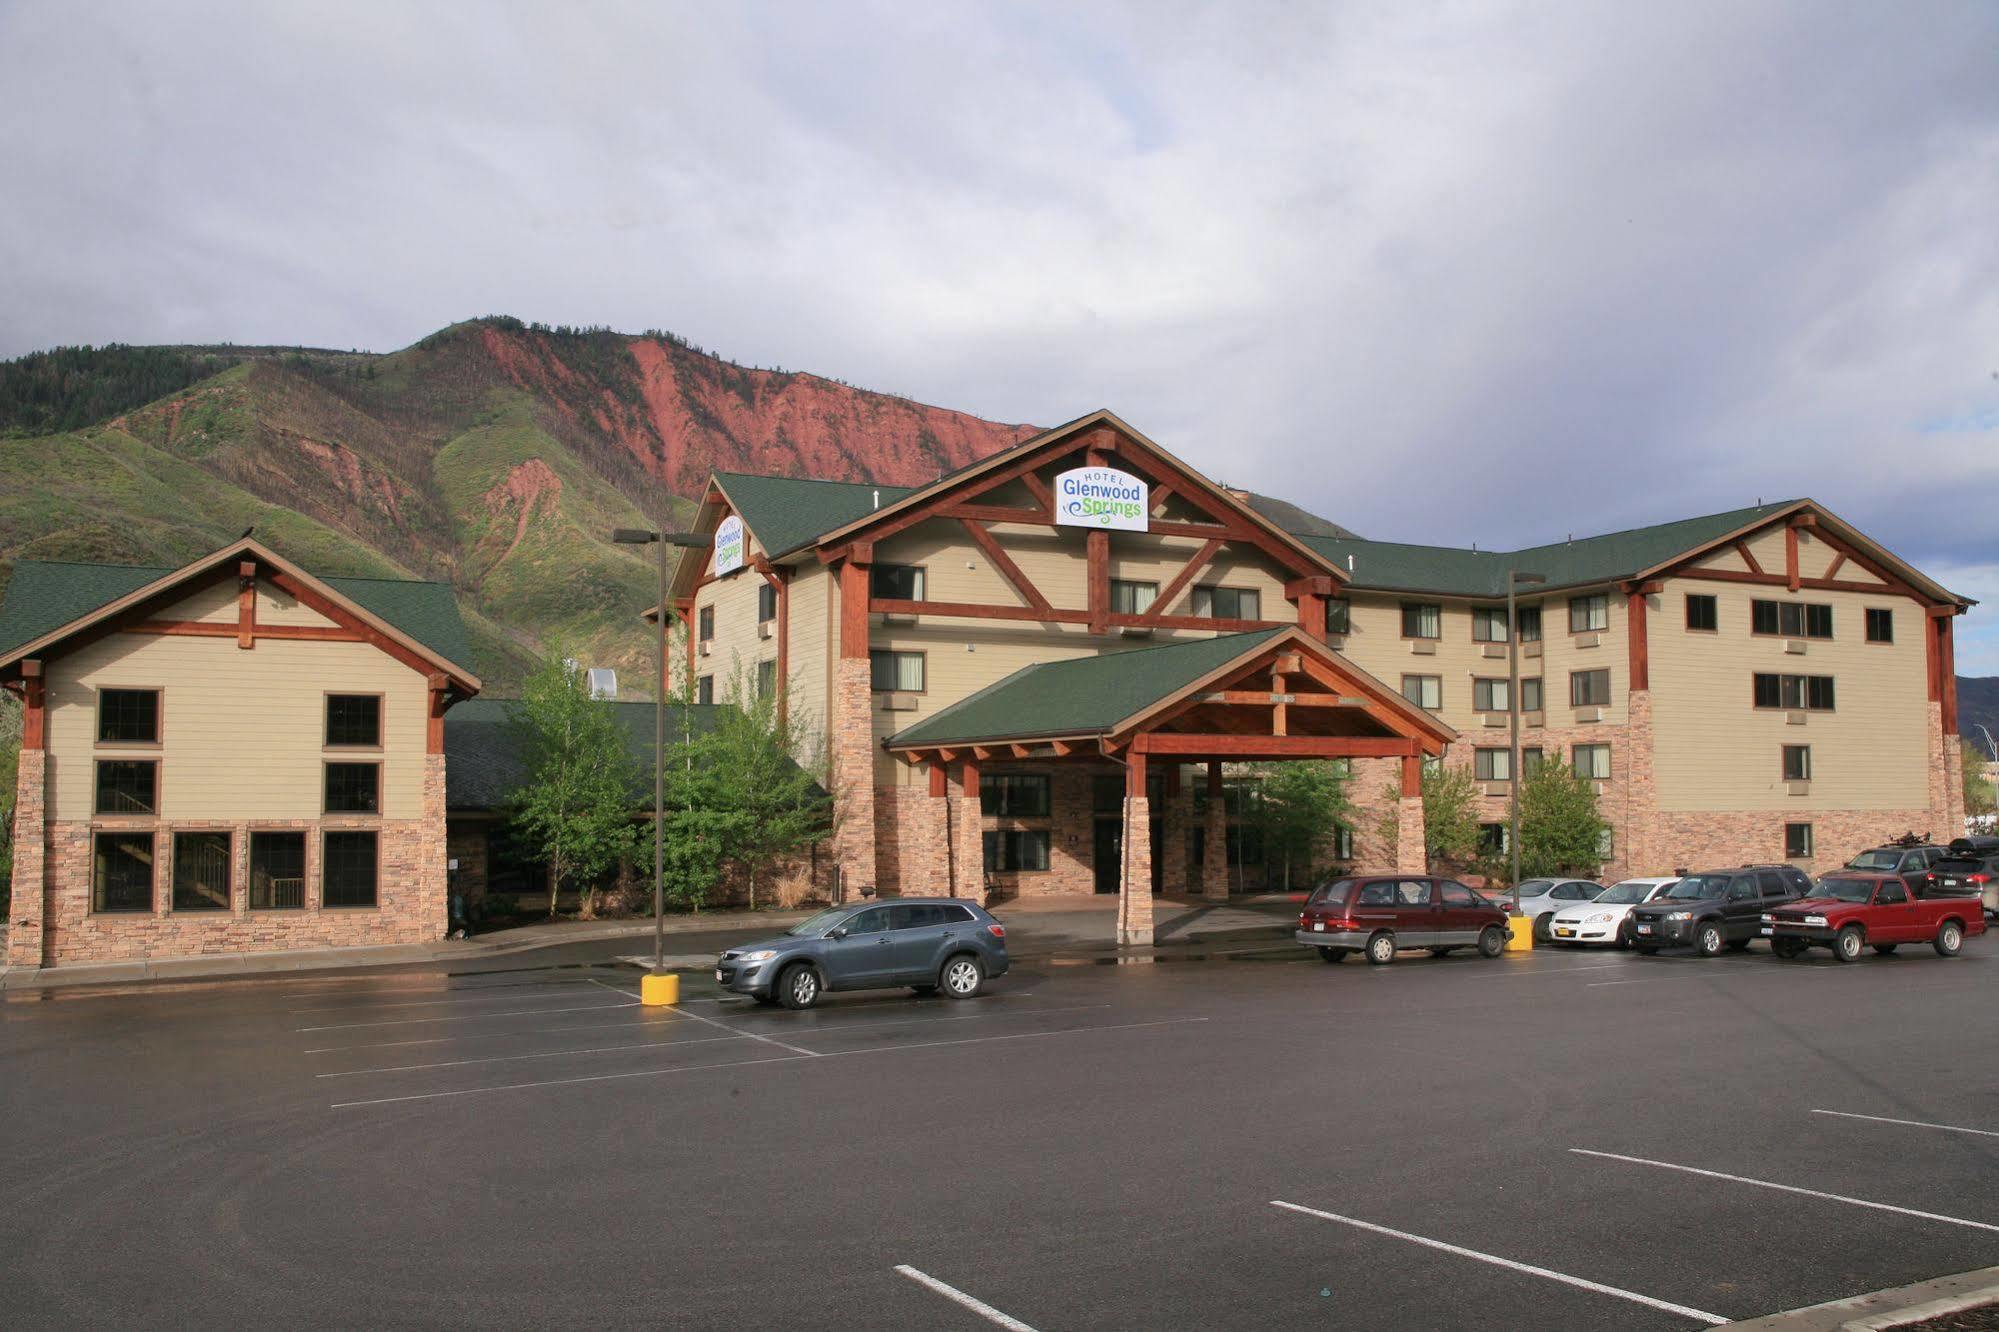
(1443, 272)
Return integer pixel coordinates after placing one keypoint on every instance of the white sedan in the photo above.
(1540, 899)
(1602, 921)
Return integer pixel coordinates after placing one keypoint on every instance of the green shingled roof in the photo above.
(43, 596)
(1450, 571)
(482, 757)
(787, 512)
(1080, 696)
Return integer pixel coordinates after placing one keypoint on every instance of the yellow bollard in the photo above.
(1519, 934)
(659, 988)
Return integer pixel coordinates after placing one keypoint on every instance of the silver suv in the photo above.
(931, 944)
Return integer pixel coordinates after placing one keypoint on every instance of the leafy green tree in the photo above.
(1303, 802)
(1450, 814)
(765, 766)
(1980, 797)
(580, 788)
(1561, 827)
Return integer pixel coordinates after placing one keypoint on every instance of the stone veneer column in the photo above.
(1215, 852)
(433, 879)
(1638, 852)
(26, 917)
(1178, 819)
(968, 847)
(1953, 787)
(1134, 911)
(851, 729)
(1410, 855)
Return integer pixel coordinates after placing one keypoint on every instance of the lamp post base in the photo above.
(658, 989)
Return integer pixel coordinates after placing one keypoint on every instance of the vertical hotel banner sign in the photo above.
(728, 545)
(1102, 497)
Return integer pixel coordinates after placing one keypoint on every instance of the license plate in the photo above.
(1950, 883)
(1564, 934)
(1769, 929)
(718, 973)
(1644, 929)
(1319, 925)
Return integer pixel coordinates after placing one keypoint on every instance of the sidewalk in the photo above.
(1969, 1299)
(1081, 924)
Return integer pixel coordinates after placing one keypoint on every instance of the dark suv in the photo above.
(930, 944)
(1908, 857)
(1716, 909)
(1383, 912)
(1969, 868)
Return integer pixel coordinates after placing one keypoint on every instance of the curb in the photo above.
(1897, 1307)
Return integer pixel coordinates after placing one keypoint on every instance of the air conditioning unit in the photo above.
(1498, 788)
(1337, 642)
(1532, 649)
(1495, 719)
(1798, 788)
(707, 646)
(1423, 647)
(1493, 650)
(765, 628)
(1589, 714)
(1795, 646)
(895, 619)
(1589, 640)
(897, 702)
(1794, 718)
(1534, 719)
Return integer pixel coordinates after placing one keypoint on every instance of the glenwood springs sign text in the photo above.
(1102, 497)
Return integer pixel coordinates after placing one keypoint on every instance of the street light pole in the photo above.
(1514, 580)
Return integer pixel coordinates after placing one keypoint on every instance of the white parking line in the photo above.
(540, 1054)
(1792, 1188)
(1699, 1316)
(499, 1035)
(1912, 1123)
(952, 1293)
(456, 998)
(476, 1017)
(722, 1025)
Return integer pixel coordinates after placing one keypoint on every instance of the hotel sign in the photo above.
(1102, 497)
(728, 545)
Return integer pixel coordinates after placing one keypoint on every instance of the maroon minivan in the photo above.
(1379, 913)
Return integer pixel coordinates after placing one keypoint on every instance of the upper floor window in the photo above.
(1797, 763)
(1489, 695)
(896, 582)
(896, 672)
(1589, 689)
(1590, 614)
(1425, 691)
(354, 719)
(766, 604)
(1422, 619)
(1591, 761)
(1342, 842)
(1339, 615)
(1880, 625)
(1531, 759)
(1488, 624)
(1797, 841)
(1492, 765)
(704, 689)
(128, 786)
(353, 788)
(706, 620)
(766, 678)
(1703, 612)
(1010, 795)
(1228, 603)
(1790, 619)
(1130, 598)
(1530, 694)
(1810, 693)
(128, 716)
(1530, 623)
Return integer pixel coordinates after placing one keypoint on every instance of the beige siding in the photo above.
(1714, 750)
(737, 647)
(242, 731)
(810, 603)
(1768, 548)
(217, 605)
(277, 607)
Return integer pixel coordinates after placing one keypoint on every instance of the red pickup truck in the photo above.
(1856, 909)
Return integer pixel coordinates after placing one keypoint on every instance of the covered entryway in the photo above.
(1270, 695)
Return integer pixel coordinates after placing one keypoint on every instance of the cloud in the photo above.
(1443, 273)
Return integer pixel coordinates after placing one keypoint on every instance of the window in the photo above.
(1891, 894)
(121, 873)
(1378, 893)
(1492, 839)
(277, 871)
(1015, 850)
(1531, 760)
(1488, 624)
(1339, 615)
(128, 786)
(1811, 693)
(1014, 795)
(704, 689)
(347, 872)
(1591, 761)
(353, 788)
(872, 921)
(1488, 695)
(1790, 619)
(354, 719)
(1880, 625)
(1530, 623)
(706, 621)
(1797, 841)
(201, 871)
(1797, 763)
(1425, 691)
(1422, 620)
(128, 716)
(1530, 695)
(1589, 615)
(1455, 894)
(896, 582)
(766, 604)
(1703, 612)
(1589, 689)
(1493, 765)
(1342, 842)
(896, 672)
(1228, 603)
(766, 679)
(1605, 842)
(1130, 598)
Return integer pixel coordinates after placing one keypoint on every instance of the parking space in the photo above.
(1559, 1139)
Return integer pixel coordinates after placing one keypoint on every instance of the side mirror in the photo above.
(837, 932)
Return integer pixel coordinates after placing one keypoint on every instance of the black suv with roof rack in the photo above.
(1908, 855)
(1715, 909)
(1970, 868)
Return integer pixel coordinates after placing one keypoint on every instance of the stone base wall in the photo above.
(850, 731)
(1134, 917)
(25, 934)
(1704, 839)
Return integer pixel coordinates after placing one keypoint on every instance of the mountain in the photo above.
(1978, 704)
(493, 455)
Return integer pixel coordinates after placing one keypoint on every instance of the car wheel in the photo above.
(1381, 949)
(1846, 947)
(1886, 949)
(1334, 955)
(1710, 939)
(962, 976)
(1624, 935)
(1491, 941)
(799, 986)
(1949, 939)
(1788, 948)
(1541, 922)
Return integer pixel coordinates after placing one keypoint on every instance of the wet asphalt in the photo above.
(1087, 1145)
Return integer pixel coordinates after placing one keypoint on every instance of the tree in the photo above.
(1561, 827)
(1303, 802)
(580, 789)
(1450, 814)
(766, 780)
(1980, 796)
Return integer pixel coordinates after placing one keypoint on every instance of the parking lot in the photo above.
(1559, 1139)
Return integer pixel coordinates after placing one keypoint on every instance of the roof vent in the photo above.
(603, 682)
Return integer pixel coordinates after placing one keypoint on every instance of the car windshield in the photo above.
(1699, 887)
(1623, 894)
(1845, 890)
(1883, 860)
(819, 924)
